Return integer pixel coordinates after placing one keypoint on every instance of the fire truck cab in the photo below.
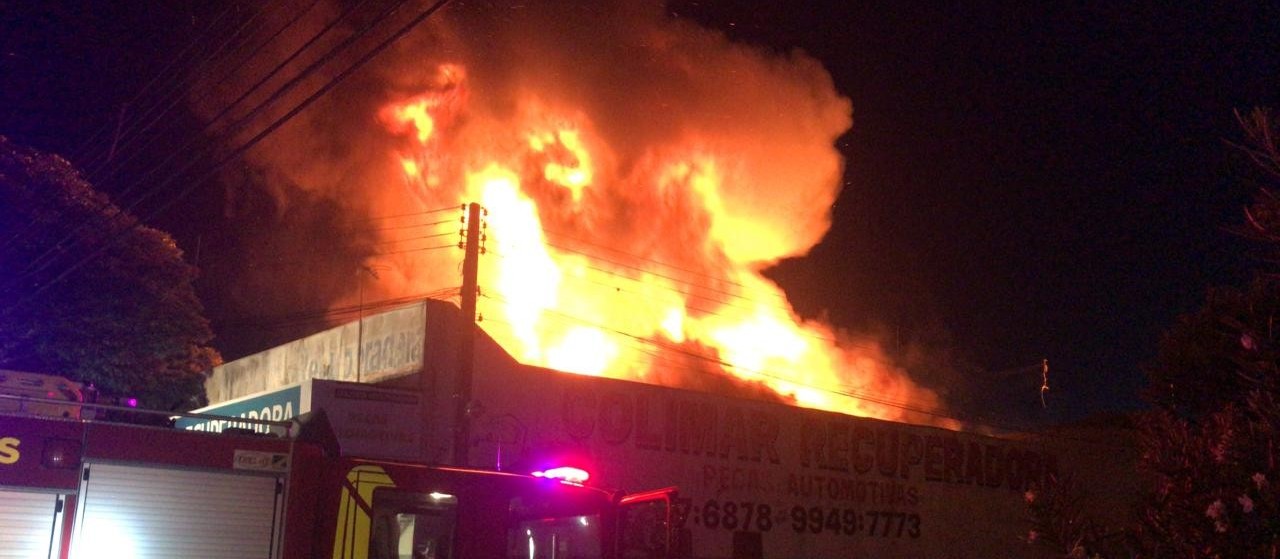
(409, 511)
(93, 489)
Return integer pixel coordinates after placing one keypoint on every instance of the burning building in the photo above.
(638, 174)
(756, 478)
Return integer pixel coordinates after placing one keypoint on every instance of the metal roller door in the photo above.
(155, 513)
(27, 524)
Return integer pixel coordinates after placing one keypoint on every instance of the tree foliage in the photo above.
(1062, 520)
(1213, 481)
(127, 320)
(1220, 353)
(1209, 447)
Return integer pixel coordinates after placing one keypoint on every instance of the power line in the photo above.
(370, 248)
(409, 226)
(231, 69)
(81, 153)
(653, 273)
(405, 240)
(330, 314)
(620, 288)
(994, 427)
(413, 214)
(86, 165)
(643, 271)
(243, 148)
(648, 271)
(236, 125)
(688, 306)
(696, 285)
(171, 96)
(634, 256)
(276, 264)
(42, 262)
(407, 251)
(646, 349)
(716, 361)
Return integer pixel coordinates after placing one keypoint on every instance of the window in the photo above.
(570, 537)
(644, 529)
(412, 525)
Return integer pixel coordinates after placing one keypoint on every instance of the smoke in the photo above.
(644, 134)
(646, 84)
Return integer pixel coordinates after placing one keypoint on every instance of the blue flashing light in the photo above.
(567, 474)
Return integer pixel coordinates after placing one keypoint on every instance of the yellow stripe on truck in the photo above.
(351, 537)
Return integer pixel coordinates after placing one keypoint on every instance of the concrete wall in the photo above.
(377, 348)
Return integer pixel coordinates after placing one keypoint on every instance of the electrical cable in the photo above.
(411, 226)
(208, 125)
(173, 92)
(278, 264)
(716, 361)
(81, 153)
(407, 251)
(327, 315)
(41, 263)
(1008, 429)
(398, 216)
(231, 69)
(634, 256)
(240, 150)
(670, 362)
(689, 306)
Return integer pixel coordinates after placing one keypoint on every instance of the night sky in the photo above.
(1022, 182)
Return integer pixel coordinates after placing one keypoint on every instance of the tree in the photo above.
(1213, 479)
(1218, 354)
(1210, 446)
(127, 319)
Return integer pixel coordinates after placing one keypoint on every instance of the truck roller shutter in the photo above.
(27, 522)
(158, 513)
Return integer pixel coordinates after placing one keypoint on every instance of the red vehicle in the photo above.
(91, 489)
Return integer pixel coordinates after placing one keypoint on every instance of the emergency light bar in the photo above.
(567, 474)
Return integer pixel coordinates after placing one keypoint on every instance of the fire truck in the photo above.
(86, 489)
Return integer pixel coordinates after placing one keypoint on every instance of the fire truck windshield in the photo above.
(412, 525)
(560, 537)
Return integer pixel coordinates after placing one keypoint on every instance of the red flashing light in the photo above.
(566, 474)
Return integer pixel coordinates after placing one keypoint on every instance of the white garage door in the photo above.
(154, 513)
(27, 524)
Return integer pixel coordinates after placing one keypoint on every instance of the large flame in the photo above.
(638, 173)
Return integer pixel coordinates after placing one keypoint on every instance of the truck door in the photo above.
(29, 523)
(147, 512)
(648, 526)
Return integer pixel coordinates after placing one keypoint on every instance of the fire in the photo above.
(598, 309)
(575, 175)
(638, 173)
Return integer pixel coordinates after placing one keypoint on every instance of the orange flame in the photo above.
(635, 277)
(639, 172)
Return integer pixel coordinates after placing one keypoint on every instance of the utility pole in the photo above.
(360, 320)
(467, 338)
